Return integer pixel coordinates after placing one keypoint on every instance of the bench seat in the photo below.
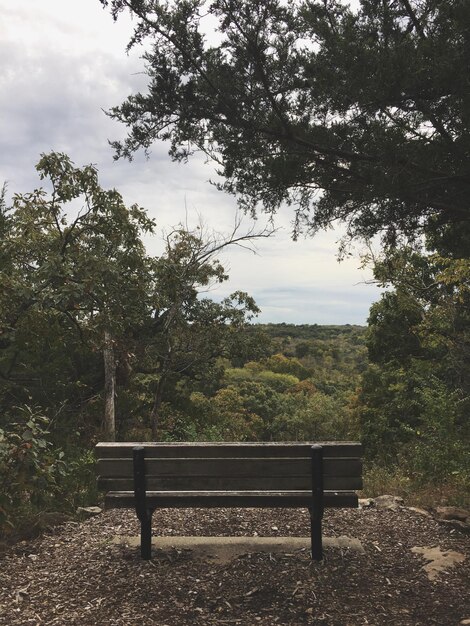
(242, 499)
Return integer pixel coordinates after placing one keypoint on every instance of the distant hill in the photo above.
(312, 331)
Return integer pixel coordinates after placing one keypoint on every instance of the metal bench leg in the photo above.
(143, 512)
(146, 537)
(316, 510)
(316, 537)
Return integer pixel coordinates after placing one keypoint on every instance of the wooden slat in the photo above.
(230, 483)
(228, 467)
(194, 499)
(230, 474)
(227, 449)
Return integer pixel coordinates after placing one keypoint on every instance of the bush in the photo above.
(37, 478)
(452, 491)
(78, 485)
(439, 449)
(30, 467)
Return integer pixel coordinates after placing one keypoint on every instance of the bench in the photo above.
(150, 476)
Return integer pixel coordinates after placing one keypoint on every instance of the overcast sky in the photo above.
(62, 63)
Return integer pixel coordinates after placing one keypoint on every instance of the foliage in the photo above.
(76, 250)
(318, 417)
(438, 450)
(258, 402)
(415, 393)
(352, 114)
(31, 468)
(76, 282)
(281, 364)
(76, 270)
(275, 380)
(188, 333)
(333, 356)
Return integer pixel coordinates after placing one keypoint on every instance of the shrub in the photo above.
(30, 467)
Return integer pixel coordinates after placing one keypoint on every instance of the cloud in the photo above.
(60, 69)
(315, 306)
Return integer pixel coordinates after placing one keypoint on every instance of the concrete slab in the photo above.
(225, 549)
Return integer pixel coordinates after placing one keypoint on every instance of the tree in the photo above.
(77, 272)
(357, 115)
(415, 393)
(189, 332)
(286, 365)
(426, 316)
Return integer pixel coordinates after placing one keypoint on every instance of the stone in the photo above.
(350, 543)
(452, 513)
(388, 502)
(419, 511)
(88, 511)
(366, 503)
(465, 621)
(455, 523)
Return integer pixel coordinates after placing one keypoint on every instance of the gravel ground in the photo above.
(75, 575)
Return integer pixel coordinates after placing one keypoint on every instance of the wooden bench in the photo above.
(149, 476)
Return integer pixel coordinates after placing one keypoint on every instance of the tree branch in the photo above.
(412, 15)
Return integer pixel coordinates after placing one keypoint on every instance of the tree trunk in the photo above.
(155, 414)
(109, 358)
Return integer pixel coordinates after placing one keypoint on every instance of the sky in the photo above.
(63, 64)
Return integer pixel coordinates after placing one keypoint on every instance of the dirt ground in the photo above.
(78, 575)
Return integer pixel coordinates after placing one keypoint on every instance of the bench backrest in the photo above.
(230, 466)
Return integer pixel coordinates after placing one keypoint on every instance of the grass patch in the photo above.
(452, 491)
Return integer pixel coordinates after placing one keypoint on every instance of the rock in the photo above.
(391, 503)
(455, 523)
(366, 503)
(452, 513)
(419, 511)
(88, 511)
(465, 621)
